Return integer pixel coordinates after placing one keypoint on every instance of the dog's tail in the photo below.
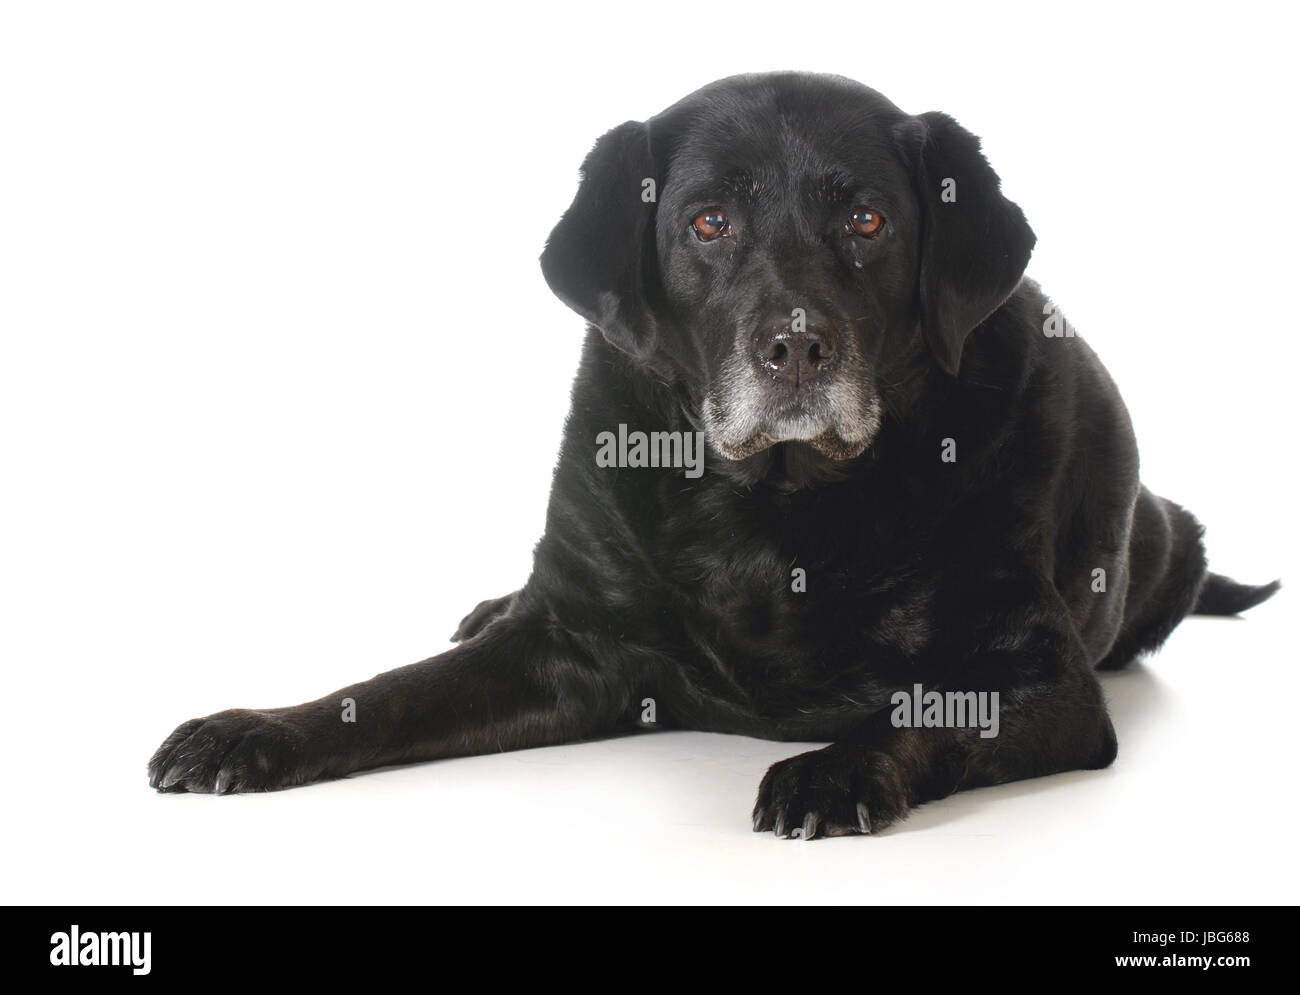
(1223, 596)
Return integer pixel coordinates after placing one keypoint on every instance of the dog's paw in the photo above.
(836, 791)
(233, 751)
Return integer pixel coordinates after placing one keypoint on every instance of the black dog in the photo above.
(915, 480)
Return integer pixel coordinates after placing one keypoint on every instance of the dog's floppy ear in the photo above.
(601, 259)
(974, 243)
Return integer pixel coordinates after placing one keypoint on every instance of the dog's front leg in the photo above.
(1051, 717)
(518, 684)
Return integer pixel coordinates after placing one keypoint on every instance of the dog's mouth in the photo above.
(830, 423)
(828, 442)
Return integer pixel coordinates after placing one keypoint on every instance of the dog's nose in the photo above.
(796, 346)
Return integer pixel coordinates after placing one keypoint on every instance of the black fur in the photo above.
(973, 575)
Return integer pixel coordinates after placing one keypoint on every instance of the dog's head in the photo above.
(785, 245)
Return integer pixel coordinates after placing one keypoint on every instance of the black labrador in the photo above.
(835, 470)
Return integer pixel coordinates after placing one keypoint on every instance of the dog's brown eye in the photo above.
(865, 222)
(712, 224)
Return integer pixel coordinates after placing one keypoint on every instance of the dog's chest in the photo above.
(798, 608)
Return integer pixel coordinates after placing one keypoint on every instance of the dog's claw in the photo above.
(864, 819)
(811, 822)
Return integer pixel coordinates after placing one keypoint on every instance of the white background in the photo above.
(281, 387)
